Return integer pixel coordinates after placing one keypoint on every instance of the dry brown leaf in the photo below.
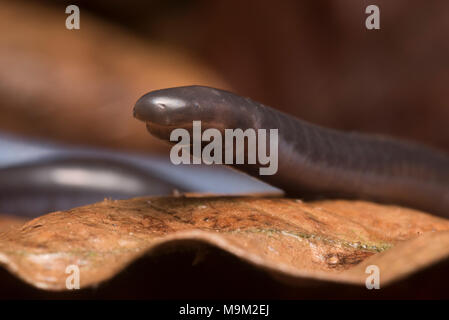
(10, 222)
(325, 240)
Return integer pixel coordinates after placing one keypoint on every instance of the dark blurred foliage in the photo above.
(314, 59)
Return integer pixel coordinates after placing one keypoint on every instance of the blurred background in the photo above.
(313, 59)
(73, 90)
(66, 99)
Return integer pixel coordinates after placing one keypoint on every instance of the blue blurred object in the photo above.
(85, 175)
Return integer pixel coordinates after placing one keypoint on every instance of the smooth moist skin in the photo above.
(313, 161)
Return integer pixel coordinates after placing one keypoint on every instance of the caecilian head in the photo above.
(177, 107)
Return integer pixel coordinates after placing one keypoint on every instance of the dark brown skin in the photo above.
(313, 161)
